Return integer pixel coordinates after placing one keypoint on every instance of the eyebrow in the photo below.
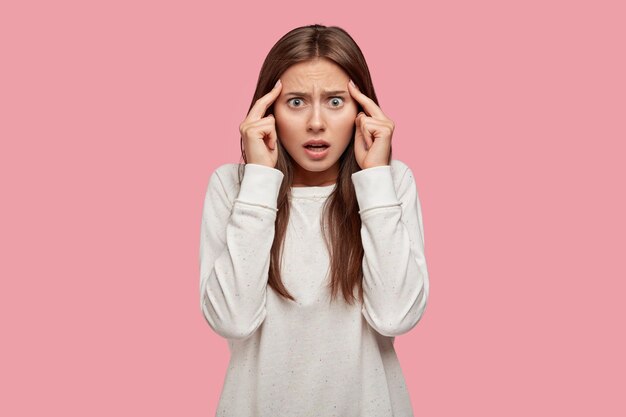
(326, 93)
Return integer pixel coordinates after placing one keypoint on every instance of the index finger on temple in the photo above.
(261, 105)
(368, 104)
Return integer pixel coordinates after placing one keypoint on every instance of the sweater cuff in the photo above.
(260, 185)
(374, 187)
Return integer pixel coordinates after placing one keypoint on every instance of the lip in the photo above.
(316, 142)
(317, 155)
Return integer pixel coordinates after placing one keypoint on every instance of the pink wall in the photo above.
(113, 115)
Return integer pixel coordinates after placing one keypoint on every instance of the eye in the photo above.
(295, 102)
(336, 101)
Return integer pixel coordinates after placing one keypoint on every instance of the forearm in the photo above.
(395, 276)
(234, 287)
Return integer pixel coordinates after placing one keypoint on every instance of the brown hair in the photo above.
(340, 221)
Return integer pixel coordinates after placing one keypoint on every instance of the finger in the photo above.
(269, 131)
(367, 103)
(271, 143)
(254, 128)
(261, 105)
(366, 135)
(359, 141)
(360, 120)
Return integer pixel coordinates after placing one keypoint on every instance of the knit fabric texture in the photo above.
(311, 357)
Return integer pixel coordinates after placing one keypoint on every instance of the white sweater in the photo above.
(309, 357)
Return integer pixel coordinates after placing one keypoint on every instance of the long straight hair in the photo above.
(340, 221)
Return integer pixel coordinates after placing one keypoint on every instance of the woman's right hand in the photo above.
(259, 133)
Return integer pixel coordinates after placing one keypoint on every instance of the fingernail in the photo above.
(277, 83)
(352, 83)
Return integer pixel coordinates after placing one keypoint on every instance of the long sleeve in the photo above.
(395, 275)
(235, 241)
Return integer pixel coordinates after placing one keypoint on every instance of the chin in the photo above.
(317, 166)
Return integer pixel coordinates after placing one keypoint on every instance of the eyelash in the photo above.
(332, 98)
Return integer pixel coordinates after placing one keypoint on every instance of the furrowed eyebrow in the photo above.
(326, 93)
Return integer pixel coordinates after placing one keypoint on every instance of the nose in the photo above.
(316, 119)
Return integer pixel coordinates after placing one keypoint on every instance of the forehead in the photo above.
(320, 72)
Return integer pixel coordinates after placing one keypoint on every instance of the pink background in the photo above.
(114, 114)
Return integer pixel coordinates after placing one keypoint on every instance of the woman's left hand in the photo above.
(372, 137)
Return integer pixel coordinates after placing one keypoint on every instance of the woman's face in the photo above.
(314, 103)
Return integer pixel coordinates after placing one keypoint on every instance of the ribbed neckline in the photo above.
(313, 191)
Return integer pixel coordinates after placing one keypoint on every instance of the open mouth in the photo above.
(316, 148)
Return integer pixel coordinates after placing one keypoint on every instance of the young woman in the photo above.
(312, 250)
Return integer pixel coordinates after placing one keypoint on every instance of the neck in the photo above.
(304, 178)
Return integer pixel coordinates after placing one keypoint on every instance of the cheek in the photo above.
(345, 121)
(282, 119)
(347, 117)
(289, 122)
